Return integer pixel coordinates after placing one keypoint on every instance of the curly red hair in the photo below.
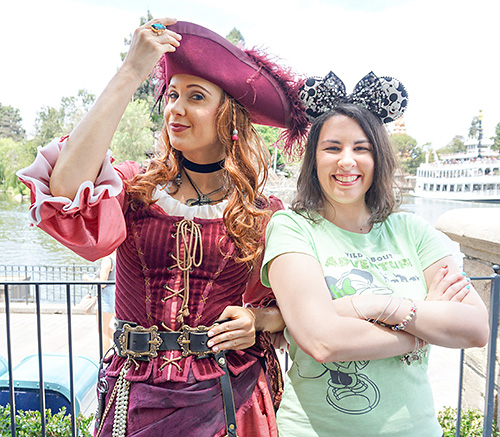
(245, 167)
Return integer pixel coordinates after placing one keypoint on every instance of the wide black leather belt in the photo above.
(144, 343)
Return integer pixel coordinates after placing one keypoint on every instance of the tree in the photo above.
(133, 138)
(270, 136)
(146, 90)
(409, 154)
(49, 124)
(74, 108)
(10, 123)
(496, 138)
(128, 41)
(55, 122)
(13, 156)
(236, 37)
(474, 127)
(456, 145)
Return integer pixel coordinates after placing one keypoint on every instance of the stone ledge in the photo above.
(476, 229)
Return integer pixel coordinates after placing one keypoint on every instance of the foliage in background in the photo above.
(28, 424)
(133, 137)
(474, 127)
(236, 37)
(10, 123)
(496, 138)
(270, 136)
(471, 423)
(409, 154)
(14, 156)
(146, 89)
(456, 145)
(53, 122)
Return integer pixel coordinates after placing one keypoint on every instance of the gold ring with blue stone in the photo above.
(158, 28)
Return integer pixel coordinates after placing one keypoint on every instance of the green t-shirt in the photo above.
(358, 398)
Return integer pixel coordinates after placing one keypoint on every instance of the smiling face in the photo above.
(190, 116)
(344, 162)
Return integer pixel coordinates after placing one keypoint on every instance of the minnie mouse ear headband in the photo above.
(267, 91)
(385, 97)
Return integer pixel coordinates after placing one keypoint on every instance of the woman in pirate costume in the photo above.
(191, 358)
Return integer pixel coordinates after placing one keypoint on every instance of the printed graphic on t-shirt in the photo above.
(348, 389)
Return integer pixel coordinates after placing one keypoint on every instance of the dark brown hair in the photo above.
(380, 196)
(245, 168)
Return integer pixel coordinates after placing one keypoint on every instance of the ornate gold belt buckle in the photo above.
(154, 341)
(184, 340)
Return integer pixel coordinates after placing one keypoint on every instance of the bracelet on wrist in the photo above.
(418, 353)
(402, 326)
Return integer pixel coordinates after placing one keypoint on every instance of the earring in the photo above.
(235, 136)
(178, 180)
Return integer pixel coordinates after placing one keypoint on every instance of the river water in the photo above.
(22, 244)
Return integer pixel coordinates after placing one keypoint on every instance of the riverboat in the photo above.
(471, 176)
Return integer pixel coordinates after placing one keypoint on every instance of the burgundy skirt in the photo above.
(195, 408)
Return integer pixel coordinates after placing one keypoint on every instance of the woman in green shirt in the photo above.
(363, 290)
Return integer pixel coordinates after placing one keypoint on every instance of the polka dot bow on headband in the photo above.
(385, 97)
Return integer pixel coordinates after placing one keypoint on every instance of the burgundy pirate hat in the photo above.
(267, 91)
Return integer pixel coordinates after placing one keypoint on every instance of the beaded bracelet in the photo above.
(402, 326)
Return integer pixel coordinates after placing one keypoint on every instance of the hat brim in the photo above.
(243, 75)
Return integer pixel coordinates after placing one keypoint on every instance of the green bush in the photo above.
(471, 423)
(29, 423)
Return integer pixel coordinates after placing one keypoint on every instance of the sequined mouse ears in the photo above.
(385, 97)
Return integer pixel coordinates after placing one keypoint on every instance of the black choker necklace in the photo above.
(203, 168)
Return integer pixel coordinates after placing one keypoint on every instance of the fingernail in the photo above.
(463, 273)
(445, 266)
(467, 287)
(468, 279)
(215, 349)
(210, 333)
(210, 343)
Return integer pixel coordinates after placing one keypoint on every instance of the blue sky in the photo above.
(444, 51)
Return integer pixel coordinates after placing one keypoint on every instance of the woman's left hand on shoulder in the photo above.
(235, 334)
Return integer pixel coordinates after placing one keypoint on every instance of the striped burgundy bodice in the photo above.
(147, 275)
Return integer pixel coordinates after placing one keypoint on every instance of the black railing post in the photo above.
(492, 348)
(99, 316)
(70, 353)
(460, 385)
(28, 287)
(40, 358)
(12, 396)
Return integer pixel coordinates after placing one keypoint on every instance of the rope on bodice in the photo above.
(189, 254)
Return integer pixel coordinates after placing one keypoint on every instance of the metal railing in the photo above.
(53, 278)
(490, 372)
(492, 349)
(69, 299)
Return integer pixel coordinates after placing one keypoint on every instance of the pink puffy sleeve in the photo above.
(92, 224)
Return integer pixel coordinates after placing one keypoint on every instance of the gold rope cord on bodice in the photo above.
(188, 254)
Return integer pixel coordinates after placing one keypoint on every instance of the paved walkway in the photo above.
(443, 363)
